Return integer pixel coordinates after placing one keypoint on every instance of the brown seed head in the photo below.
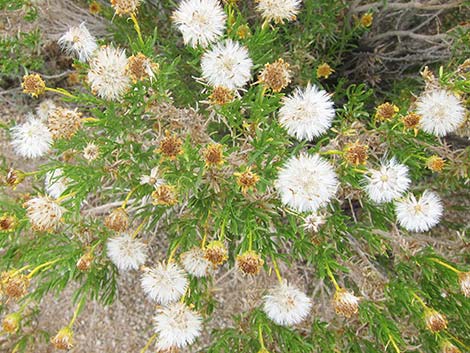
(34, 85)
(435, 321)
(84, 262)
(356, 153)
(140, 68)
(345, 303)
(276, 76)
(250, 263)
(386, 111)
(11, 322)
(411, 121)
(448, 347)
(63, 339)
(8, 223)
(165, 195)
(94, 8)
(64, 123)
(213, 154)
(435, 163)
(243, 32)
(170, 146)
(247, 179)
(117, 220)
(14, 285)
(221, 96)
(216, 253)
(125, 7)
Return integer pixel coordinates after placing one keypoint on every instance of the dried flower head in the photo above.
(94, 8)
(435, 321)
(324, 70)
(165, 195)
(367, 19)
(221, 96)
(32, 139)
(14, 284)
(216, 253)
(117, 220)
(441, 111)
(11, 322)
(213, 154)
(126, 252)
(313, 222)
(164, 283)
(419, 214)
(125, 7)
(308, 113)
(108, 73)
(8, 223)
(91, 152)
(307, 182)
(85, 261)
(250, 263)
(176, 326)
(411, 121)
(356, 153)
(63, 340)
(195, 263)
(464, 281)
(44, 213)
(386, 111)
(276, 75)
(33, 84)
(78, 41)
(227, 64)
(247, 180)
(435, 163)
(448, 347)
(278, 10)
(64, 123)
(345, 303)
(170, 146)
(286, 305)
(139, 68)
(14, 177)
(201, 22)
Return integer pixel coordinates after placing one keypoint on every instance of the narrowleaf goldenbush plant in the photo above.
(222, 132)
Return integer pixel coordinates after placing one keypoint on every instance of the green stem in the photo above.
(38, 268)
(445, 265)
(137, 28)
(149, 342)
(260, 337)
(276, 270)
(61, 91)
(330, 274)
(394, 344)
(77, 311)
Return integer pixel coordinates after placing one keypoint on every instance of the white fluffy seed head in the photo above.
(389, 182)
(195, 263)
(441, 112)
(165, 283)
(201, 22)
(278, 10)
(45, 108)
(32, 139)
(227, 64)
(176, 326)
(419, 214)
(107, 74)
(78, 42)
(306, 182)
(55, 183)
(43, 213)
(126, 252)
(308, 113)
(286, 305)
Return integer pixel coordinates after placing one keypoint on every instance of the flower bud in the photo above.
(345, 303)
(464, 281)
(216, 253)
(63, 339)
(435, 321)
(117, 220)
(250, 263)
(11, 322)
